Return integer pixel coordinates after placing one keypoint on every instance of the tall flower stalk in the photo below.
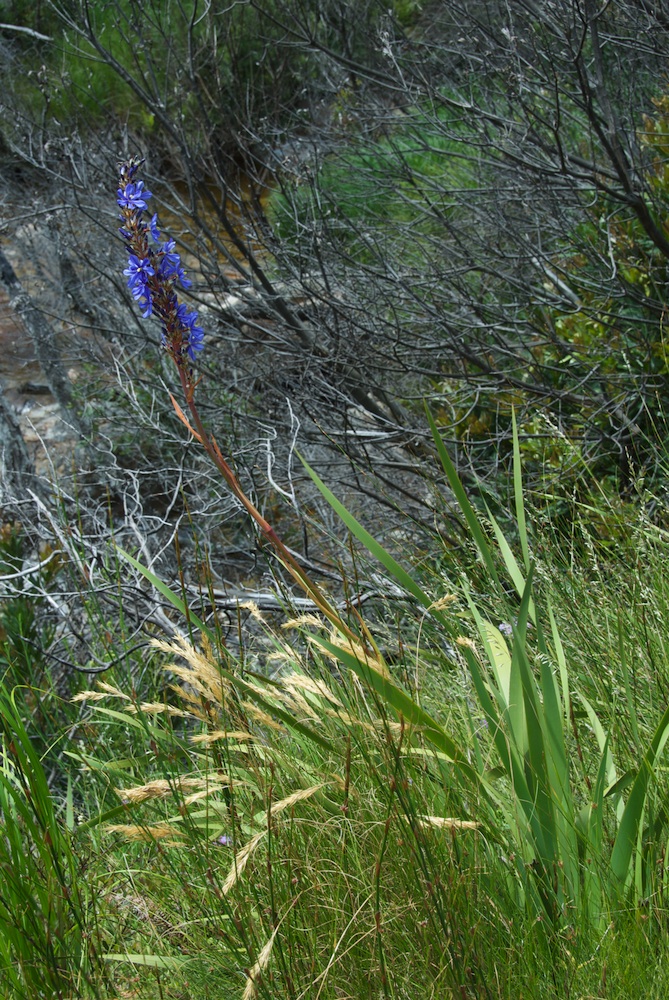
(154, 273)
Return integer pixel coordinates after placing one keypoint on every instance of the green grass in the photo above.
(483, 817)
(401, 189)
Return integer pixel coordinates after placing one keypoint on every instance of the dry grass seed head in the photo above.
(105, 691)
(316, 687)
(260, 716)
(444, 602)
(294, 701)
(466, 643)
(193, 700)
(251, 990)
(244, 854)
(301, 620)
(154, 707)
(362, 655)
(253, 610)
(298, 796)
(203, 674)
(346, 719)
(158, 831)
(90, 696)
(289, 698)
(234, 735)
(448, 823)
(281, 656)
(241, 860)
(161, 788)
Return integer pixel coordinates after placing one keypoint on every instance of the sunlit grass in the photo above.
(340, 824)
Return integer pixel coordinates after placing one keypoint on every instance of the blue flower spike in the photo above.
(153, 270)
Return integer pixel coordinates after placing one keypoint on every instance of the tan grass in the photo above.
(281, 656)
(463, 640)
(193, 701)
(161, 789)
(241, 860)
(362, 655)
(158, 831)
(253, 609)
(244, 854)
(204, 675)
(239, 736)
(251, 989)
(295, 700)
(301, 620)
(154, 707)
(312, 685)
(444, 602)
(448, 823)
(298, 796)
(104, 691)
(260, 716)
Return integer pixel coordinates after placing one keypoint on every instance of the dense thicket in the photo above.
(462, 203)
(467, 204)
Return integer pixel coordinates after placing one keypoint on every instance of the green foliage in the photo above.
(610, 334)
(46, 920)
(560, 840)
(146, 66)
(471, 799)
(329, 822)
(396, 186)
(24, 635)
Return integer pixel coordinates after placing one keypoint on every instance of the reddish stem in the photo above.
(306, 583)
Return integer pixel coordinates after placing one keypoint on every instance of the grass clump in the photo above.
(332, 824)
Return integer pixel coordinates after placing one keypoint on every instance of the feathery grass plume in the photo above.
(241, 860)
(300, 620)
(244, 854)
(105, 691)
(312, 685)
(259, 715)
(90, 696)
(444, 602)
(229, 735)
(158, 707)
(251, 989)
(154, 831)
(204, 676)
(161, 788)
(353, 647)
(447, 823)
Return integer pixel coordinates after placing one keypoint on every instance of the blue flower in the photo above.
(181, 275)
(195, 338)
(133, 197)
(153, 268)
(138, 271)
(194, 333)
(143, 297)
(170, 266)
(195, 341)
(170, 260)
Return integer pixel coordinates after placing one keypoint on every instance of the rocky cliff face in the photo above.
(35, 422)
